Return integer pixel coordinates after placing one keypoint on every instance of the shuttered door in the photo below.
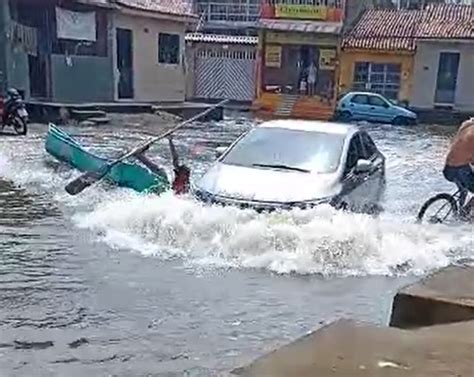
(225, 74)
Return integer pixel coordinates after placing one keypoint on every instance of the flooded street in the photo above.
(113, 283)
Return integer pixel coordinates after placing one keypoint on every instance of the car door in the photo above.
(376, 177)
(380, 110)
(359, 107)
(355, 185)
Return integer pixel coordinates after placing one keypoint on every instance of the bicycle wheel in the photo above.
(438, 209)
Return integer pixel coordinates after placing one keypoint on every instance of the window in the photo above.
(377, 101)
(354, 153)
(360, 99)
(369, 147)
(168, 48)
(380, 78)
(316, 152)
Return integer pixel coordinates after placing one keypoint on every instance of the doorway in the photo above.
(37, 67)
(447, 77)
(125, 63)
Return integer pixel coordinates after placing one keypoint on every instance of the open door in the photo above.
(447, 78)
(125, 63)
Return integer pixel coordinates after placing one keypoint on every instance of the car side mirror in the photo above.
(220, 151)
(363, 166)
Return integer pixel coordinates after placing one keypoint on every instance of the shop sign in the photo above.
(327, 59)
(299, 39)
(301, 11)
(273, 56)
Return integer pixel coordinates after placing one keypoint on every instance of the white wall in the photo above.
(426, 72)
(152, 80)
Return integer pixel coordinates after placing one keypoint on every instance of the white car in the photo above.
(284, 164)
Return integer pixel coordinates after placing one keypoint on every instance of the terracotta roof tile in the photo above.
(447, 21)
(384, 30)
(172, 7)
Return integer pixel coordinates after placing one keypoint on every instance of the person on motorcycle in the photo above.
(12, 95)
(460, 159)
(182, 173)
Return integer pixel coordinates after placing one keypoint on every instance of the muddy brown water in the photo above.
(112, 283)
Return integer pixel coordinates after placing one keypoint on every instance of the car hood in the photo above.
(267, 184)
(405, 111)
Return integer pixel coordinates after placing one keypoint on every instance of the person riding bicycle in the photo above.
(458, 167)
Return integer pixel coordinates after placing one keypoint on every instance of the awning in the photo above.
(219, 38)
(302, 26)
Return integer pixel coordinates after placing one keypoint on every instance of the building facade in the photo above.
(378, 54)
(444, 60)
(297, 61)
(221, 66)
(149, 51)
(94, 50)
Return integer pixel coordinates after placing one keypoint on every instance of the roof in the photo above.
(447, 21)
(171, 7)
(384, 30)
(301, 26)
(311, 126)
(217, 38)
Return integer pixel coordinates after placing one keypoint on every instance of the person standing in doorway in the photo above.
(312, 76)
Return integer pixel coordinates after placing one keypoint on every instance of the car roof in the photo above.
(364, 94)
(311, 126)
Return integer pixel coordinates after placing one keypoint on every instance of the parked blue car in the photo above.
(372, 107)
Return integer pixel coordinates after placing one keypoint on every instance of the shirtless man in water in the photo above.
(460, 157)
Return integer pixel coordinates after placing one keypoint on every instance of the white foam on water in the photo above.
(306, 242)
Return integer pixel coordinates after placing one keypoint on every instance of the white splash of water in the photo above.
(317, 241)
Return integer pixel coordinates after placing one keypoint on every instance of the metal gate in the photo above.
(222, 73)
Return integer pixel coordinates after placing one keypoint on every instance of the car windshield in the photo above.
(286, 149)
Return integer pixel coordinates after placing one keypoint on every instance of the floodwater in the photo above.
(113, 283)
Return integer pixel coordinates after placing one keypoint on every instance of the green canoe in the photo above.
(64, 148)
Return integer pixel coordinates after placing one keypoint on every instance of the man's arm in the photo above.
(150, 165)
(174, 154)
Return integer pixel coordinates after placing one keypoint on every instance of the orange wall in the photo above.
(349, 58)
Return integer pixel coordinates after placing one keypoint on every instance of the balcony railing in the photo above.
(244, 11)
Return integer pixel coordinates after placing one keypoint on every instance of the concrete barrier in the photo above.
(347, 348)
(439, 310)
(444, 297)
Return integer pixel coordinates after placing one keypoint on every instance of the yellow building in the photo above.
(378, 54)
(297, 59)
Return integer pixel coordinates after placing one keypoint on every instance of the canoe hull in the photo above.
(66, 149)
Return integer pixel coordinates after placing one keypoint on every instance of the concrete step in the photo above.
(99, 120)
(351, 349)
(81, 115)
(443, 297)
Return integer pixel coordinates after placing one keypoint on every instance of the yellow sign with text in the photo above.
(327, 59)
(301, 11)
(273, 56)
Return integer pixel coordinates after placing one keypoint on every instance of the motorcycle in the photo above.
(15, 113)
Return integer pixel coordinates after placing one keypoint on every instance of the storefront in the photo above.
(298, 61)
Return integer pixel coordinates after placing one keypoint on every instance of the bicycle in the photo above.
(454, 203)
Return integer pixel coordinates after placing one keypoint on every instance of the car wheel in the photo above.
(345, 116)
(401, 121)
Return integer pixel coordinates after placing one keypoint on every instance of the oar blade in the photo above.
(83, 181)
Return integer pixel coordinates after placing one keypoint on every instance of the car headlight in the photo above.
(312, 203)
(201, 194)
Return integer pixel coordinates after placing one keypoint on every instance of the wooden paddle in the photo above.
(88, 179)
